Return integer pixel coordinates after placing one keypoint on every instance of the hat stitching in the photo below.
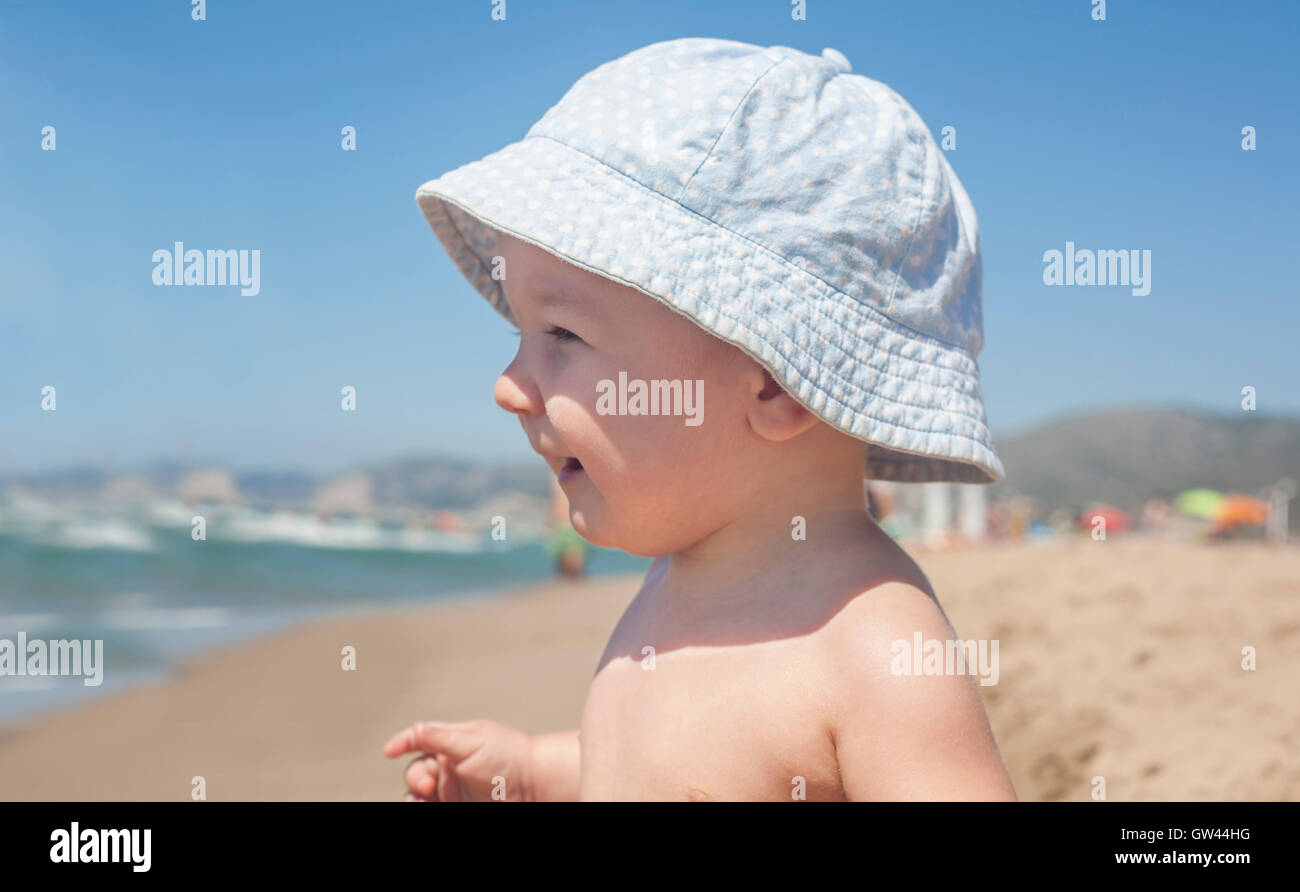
(723, 130)
(916, 227)
(747, 241)
(781, 354)
(871, 314)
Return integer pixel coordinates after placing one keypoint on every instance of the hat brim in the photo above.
(917, 400)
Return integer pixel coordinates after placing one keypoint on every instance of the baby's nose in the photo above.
(514, 394)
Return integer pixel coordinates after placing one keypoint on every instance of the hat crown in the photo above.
(828, 170)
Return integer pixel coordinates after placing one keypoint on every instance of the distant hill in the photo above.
(1125, 456)
(1122, 456)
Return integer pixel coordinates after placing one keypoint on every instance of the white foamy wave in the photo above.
(97, 534)
(434, 540)
(130, 599)
(169, 513)
(21, 512)
(360, 534)
(170, 618)
(26, 622)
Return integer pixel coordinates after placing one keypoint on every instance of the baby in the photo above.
(781, 243)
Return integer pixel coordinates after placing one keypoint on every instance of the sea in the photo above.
(136, 579)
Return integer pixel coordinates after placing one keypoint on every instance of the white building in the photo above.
(936, 512)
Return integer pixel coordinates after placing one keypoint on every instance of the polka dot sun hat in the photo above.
(796, 210)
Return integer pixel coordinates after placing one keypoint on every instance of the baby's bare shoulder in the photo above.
(881, 594)
(899, 733)
(865, 630)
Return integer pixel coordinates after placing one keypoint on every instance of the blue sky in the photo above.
(225, 133)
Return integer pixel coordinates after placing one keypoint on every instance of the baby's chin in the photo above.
(640, 539)
(593, 526)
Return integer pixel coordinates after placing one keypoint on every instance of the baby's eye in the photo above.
(563, 334)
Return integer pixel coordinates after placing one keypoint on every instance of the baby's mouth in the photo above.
(572, 468)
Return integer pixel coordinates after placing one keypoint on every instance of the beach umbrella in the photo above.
(1116, 520)
(1198, 502)
(1237, 510)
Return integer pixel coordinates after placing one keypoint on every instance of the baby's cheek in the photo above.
(631, 447)
(637, 453)
(681, 470)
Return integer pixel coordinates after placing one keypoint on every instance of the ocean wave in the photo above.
(20, 514)
(96, 534)
(311, 532)
(170, 514)
(145, 527)
(169, 618)
(26, 622)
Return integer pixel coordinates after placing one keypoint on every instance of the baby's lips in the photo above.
(555, 462)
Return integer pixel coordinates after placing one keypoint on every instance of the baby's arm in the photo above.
(906, 737)
(554, 767)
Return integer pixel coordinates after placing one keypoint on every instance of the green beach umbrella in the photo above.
(1198, 502)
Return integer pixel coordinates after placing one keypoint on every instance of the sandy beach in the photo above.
(1119, 659)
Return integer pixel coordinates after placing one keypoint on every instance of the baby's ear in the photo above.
(774, 414)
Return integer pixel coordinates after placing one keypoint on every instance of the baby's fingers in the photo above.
(448, 783)
(422, 778)
(409, 740)
(456, 739)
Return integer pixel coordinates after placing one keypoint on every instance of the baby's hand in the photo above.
(474, 761)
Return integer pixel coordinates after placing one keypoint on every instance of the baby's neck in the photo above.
(775, 546)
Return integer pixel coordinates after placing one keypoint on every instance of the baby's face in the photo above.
(648, 484)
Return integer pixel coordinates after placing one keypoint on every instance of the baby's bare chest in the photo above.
(737, 722)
